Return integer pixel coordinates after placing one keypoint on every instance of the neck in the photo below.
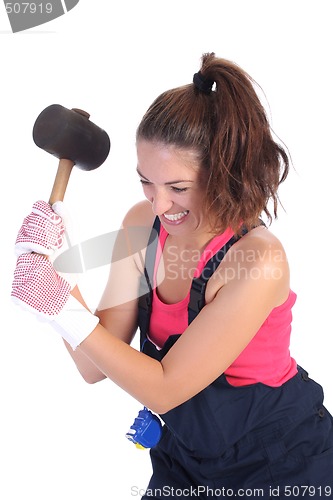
(192, 241)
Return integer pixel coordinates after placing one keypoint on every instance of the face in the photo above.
(170, 180)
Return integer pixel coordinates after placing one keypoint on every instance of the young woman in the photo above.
(211, 298)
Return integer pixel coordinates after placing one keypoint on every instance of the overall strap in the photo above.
(147, 280)
(198, 288)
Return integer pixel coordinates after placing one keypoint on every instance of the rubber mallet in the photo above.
(69, 135)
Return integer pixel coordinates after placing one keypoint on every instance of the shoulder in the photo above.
(136, 229)
(258, 258)
(139, 214)
(260, 248)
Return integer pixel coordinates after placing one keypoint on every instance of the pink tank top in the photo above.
(266, 358)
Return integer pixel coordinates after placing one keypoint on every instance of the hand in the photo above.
(42, 230)
(39, 289)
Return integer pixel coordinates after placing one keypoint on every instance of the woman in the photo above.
(214, 302)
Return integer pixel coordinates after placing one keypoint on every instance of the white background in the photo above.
(63, 438)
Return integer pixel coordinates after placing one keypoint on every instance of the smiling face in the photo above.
(171, 182)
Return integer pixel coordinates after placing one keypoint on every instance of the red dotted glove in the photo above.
(42, 230)
(39, 289)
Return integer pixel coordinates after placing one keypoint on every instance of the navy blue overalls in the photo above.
(253, 441)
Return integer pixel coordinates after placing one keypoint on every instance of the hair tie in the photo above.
(202, 83)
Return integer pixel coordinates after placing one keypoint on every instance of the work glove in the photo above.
(43, 230)
(37, 287)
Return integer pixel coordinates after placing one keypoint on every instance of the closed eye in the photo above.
(176, 189)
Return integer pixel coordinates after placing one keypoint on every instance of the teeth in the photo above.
(176, 216)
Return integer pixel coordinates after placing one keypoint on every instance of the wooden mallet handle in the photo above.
(61, 180)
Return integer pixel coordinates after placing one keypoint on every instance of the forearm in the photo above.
(139, 375)
(88, 370)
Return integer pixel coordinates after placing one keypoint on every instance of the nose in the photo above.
(161, 202)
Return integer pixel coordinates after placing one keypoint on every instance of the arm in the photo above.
(41, 233)
(122, 320)
(117, 310)
(227, 324)
(89, 371)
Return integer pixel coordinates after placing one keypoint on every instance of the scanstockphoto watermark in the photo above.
(26, 15)
(237, 264)
(196, 492)
(268, 492)
(131, 248)
(137, 241)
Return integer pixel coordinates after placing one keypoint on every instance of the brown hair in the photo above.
(241, 163)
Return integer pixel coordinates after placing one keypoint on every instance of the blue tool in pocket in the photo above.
(146, 430)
